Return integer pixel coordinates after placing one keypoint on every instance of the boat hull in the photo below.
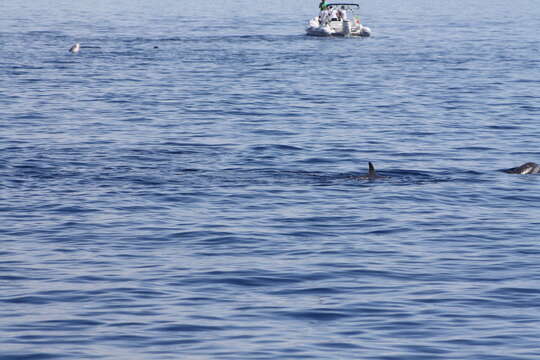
(337, 28)
(312, 31)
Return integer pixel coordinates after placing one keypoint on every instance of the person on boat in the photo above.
(333, 13)
(324, 16)
(342, 13)
(323, 5)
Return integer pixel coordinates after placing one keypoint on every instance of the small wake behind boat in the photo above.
(338, 19)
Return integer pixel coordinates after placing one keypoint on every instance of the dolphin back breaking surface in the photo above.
(527, 168)
(524, 169)
(371, 175)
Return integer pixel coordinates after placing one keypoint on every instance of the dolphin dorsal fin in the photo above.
(372, 173)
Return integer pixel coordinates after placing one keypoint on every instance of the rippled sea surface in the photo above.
(189, 185)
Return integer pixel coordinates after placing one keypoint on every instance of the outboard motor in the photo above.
(347, 28)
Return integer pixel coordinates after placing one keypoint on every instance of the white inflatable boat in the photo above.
(338, 19)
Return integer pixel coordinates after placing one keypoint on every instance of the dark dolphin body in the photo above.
(371, 175)
(527, 168)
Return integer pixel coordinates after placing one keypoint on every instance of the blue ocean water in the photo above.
(187, 186)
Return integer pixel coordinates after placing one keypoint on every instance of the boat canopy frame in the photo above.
(352, 7)
(343, 4)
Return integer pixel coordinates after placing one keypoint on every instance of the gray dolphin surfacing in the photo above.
(524, 169)
(371, 175)
(527, 168)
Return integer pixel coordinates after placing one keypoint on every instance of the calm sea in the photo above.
(186, 187)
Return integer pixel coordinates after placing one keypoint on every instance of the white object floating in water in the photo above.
(75, 48)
